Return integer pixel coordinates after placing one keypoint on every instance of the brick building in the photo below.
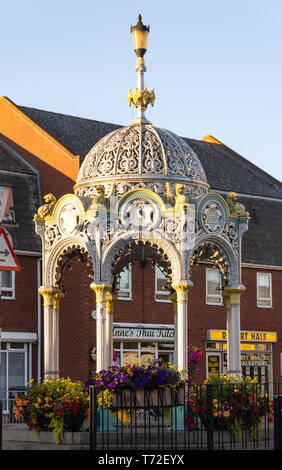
(40, 153)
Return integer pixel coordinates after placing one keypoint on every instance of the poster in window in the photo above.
(6, 204)
(213, 365)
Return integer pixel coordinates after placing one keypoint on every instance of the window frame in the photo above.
(13, 220)
(5, 357)
(9, 289)
(163, 292)
(218, 304)
(270, 290)
(129, 290)
(142, 349)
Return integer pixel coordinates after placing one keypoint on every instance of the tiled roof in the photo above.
(225, 169)
(23, 180)
(76, 134)
(10, 160)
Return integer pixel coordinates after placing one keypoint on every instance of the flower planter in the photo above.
(106, 419)
(74, 422)
(146, 398)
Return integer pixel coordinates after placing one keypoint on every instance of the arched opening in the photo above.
(68, 332)
(140, 261)
(215, 273)
(142, 255)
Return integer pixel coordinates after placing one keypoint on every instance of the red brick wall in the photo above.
(77, 329)
(20, 315)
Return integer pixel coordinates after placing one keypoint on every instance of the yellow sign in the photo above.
(243, 347)
(252, 336)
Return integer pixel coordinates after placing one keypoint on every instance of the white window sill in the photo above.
(215, 304)
(125, 298)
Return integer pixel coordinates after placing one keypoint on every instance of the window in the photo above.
(161, 294)
(13, 369)
(124, 284)
(145, 352)
(213, 287)
(6, 205)
(7, 284)
(264, 290)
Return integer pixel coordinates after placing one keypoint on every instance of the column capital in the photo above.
(232, 294)
(110, 299)
(181, 289)
(51, 296)
(101, 291)
(226, 298)
(173, 299)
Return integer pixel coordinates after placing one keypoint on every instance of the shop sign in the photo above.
(213, 365)
(254, 363)
(243, 347)
(143, 333)
(253, 336)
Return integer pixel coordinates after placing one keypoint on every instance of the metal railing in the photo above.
(198, 417)
(7, 398)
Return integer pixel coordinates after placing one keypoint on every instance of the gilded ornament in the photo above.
(181, 201)
(51, 297)
(47, 209)
(110, 299)
(234, 294)
(141, 97)
(181, 291)
(236, 208)
(101, 199)
(101, 291)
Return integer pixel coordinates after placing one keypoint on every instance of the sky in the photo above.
(215, 66)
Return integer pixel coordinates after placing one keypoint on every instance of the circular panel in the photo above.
(140, 213)
(69, 218)
(212, 217)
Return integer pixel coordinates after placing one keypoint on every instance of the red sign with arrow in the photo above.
(8, 259)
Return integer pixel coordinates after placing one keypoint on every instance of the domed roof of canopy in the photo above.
(141, 155)
(141, 151)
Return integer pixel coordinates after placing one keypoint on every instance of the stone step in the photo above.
(19, 437)
(20, 445)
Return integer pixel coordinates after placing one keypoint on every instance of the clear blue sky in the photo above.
(215, 65)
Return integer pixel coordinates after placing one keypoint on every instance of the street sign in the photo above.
(8, 259)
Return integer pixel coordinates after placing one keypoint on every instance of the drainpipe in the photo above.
(39, 318)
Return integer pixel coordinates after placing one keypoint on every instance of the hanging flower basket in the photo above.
(54, 405)
(238, 405)
(123, 389)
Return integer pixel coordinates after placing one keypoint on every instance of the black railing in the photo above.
(200, 417)
(1, 425)
(7, 398)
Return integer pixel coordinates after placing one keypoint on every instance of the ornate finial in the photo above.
(140, 97)
(139, 26)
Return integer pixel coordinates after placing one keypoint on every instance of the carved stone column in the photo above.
(52, 297)
(174, 301)
(182, 324)
(232, 297)
(110, 299)
(101, 291)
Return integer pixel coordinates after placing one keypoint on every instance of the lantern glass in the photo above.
(140, 39)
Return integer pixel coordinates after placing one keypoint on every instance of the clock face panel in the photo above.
(69, 218)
